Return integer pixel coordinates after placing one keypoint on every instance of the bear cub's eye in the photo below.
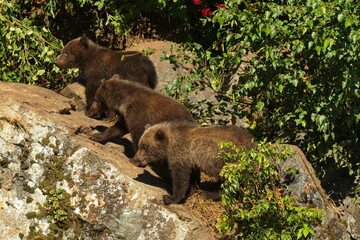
(143, 147)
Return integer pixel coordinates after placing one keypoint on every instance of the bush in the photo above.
(254, 202)
(291, 69)
(27, 51)
(109, 21)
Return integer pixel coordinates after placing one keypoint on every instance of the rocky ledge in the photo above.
(49, 168)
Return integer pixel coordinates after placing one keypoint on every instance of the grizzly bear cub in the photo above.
(135, 106)
(187, 147)
(96, 63)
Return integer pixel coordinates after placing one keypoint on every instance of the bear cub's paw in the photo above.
(98, 137)
(170, 200)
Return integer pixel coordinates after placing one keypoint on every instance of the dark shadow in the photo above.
(149, 179)
(100, 128)
(80, 79)
(338, 184)
(212, 190)
(210, 186)
(128, 147)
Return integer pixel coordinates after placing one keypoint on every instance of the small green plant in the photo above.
(173, 57)
(255, 205)
(148, 51)
(58, 211)
(57, 205)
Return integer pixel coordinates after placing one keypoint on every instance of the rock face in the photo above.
(49, 169)
(339, 222)
(165, 69)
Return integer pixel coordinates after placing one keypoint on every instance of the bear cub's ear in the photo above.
(84, 42)
(160, 135)
(103, 84)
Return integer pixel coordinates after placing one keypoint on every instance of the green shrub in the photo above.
(255, 205)
(27, 51)
(109, 21)
(291, 69)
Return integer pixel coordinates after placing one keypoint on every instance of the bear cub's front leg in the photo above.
(111, 132)
(180, 177)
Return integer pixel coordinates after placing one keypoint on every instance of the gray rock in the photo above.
(44, 147)
(165, 69)
(340, 223)
(76, 92)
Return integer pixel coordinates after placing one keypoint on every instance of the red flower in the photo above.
(220, 6)
(206, 12)
(35, 4)
(197, 2)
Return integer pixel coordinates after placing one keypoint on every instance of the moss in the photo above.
(28, 189)
(54, 158)
(45, 141)
(33, 234)
(39, 156)
(25, 152)
(29, 200)
(4, 163)
(57, 207)
(31, 215)
(71, 182)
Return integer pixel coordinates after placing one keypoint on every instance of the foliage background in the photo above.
(290, 68)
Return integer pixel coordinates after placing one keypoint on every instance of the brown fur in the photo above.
(136, 107)
(186, 148)
(96, 63)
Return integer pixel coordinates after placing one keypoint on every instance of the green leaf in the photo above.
(26, 22)
(318, 50)
(327, 42)
(310, 23)
(267, 30)
(340, 17)
(260, 105)
(348, 23)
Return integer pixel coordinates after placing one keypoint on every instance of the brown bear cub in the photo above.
(136, 106)
(96, 63)
(187, 147)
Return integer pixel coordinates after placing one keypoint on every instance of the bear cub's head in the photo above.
(73, 54)
(100, 104)
(153, 145)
